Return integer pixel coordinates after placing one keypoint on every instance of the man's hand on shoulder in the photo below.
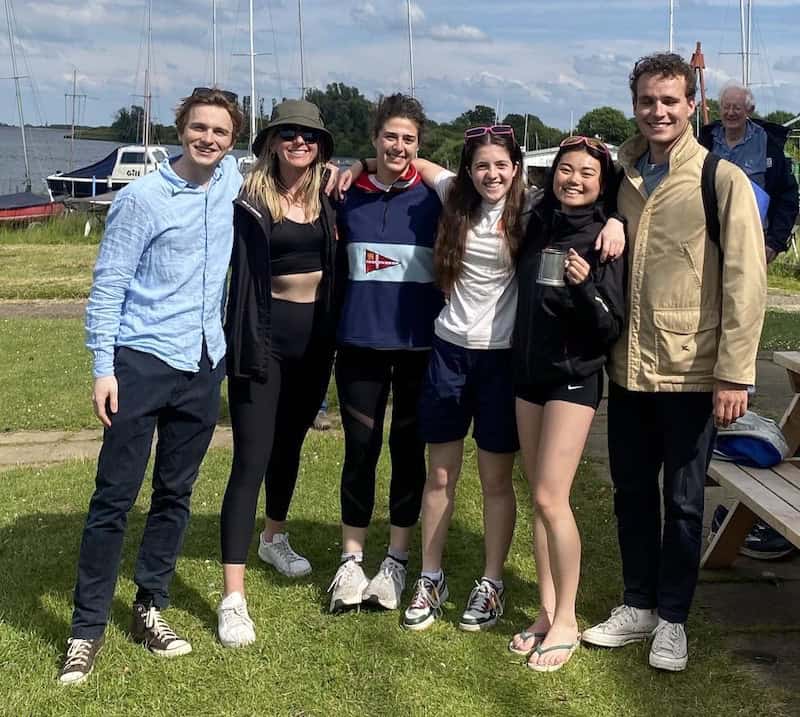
(105, 398)
(730, 402)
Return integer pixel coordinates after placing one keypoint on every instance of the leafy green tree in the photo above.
(348, 116)
(127, 122)
(478, 115)
(607, 123)
(780, 116)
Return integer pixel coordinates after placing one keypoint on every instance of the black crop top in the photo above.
(296, 248)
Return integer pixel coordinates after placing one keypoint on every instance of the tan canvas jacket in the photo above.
(691, 320)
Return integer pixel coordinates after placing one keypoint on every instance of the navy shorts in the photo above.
(582, 391)
(469, 385)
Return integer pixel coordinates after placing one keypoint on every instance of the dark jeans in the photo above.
(363, 379)
(183, 406)
(648, 431)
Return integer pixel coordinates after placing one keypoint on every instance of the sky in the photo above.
(555, 59)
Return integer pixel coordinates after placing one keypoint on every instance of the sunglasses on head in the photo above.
(579, 140)
(498, 129)
(310, 136)
(208, 91)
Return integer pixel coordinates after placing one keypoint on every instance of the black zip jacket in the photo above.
(247, 322)
(779, 182)
(564, 332)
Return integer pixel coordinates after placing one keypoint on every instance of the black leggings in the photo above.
(270, 421)
(363, 379)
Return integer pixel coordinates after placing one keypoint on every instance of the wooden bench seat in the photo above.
(772, 494)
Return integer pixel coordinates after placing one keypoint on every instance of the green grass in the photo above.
(48, 260)
(307, 662)
(781, 331)
(784, 273)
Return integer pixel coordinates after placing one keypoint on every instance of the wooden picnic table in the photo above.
(772, 494)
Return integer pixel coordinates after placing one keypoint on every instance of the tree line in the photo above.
(348, 115)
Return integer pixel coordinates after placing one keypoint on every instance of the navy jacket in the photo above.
(780, 182)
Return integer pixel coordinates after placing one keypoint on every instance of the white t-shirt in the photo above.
(483, 302)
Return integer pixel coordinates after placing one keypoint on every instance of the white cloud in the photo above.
(458, 33)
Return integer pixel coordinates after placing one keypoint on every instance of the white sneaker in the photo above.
(669, 650)
(234, 626)
(280, 555)
(626, 624)
(387, 586)
(348, 585)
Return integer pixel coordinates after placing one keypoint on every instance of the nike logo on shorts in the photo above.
(570, 387)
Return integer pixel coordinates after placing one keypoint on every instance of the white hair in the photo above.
(750, 101)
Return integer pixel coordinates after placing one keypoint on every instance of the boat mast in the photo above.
(410, 47)
(16, 78)
(214, 43)
(746, 26)
(147, 95)
(252, 86)
(302, 51)
(671, 24)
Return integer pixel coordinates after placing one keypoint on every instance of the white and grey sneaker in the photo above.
(79, 660)
(387, 586)
(348, 585)
(234, 626)
(280, 555)
(484, 607)
(669, 650)
(426, 605)
(626, 624)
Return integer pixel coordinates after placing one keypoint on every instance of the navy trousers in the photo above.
(648, 431)
(183, 407)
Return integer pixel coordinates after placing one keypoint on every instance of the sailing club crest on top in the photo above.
(373, 261)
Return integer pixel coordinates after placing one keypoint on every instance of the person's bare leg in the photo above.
(271, 527)
(353, 539)
(438, 500)
(499, 509)
(400, 538)
(232, 578)
(529, 422)
(564, 429)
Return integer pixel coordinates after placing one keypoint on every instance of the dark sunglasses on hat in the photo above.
(208, 91)
(289, 132)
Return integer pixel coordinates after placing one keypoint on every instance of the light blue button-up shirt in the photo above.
(749, 155)
(159, 280)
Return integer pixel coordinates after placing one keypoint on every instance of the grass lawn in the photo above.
(784, 273)
(307, 662)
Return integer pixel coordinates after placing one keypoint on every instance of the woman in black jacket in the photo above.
(279, 329)
(561, 338)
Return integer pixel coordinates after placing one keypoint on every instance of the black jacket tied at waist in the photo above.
(564, 332)
(247, 322)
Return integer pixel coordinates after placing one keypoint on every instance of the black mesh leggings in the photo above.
(270, 421)
(363, 379)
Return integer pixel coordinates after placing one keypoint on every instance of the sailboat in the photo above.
(121, 166)
(23, 206)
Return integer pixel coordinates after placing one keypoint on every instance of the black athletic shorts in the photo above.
(583, 391)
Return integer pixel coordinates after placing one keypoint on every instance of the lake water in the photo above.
(48, 152)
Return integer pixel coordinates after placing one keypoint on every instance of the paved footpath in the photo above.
(757, 603)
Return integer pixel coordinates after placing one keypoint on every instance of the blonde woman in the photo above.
(279, 329)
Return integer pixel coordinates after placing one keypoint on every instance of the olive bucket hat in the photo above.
(302, 114)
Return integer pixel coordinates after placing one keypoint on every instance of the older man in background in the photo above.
(756, 146)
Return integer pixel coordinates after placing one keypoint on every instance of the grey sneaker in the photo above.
(484, 607)
(279, 555)
(669, 651)
(234, 626)
(426, 605)
(347, 587)
(387, 586)
(79, 660)
(152, 631)
(626, 624)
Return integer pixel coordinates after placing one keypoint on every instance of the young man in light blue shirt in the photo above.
(154, 328)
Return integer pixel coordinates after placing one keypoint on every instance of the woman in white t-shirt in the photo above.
(469, 377)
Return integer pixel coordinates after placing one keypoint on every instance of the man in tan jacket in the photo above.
(685, 358)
